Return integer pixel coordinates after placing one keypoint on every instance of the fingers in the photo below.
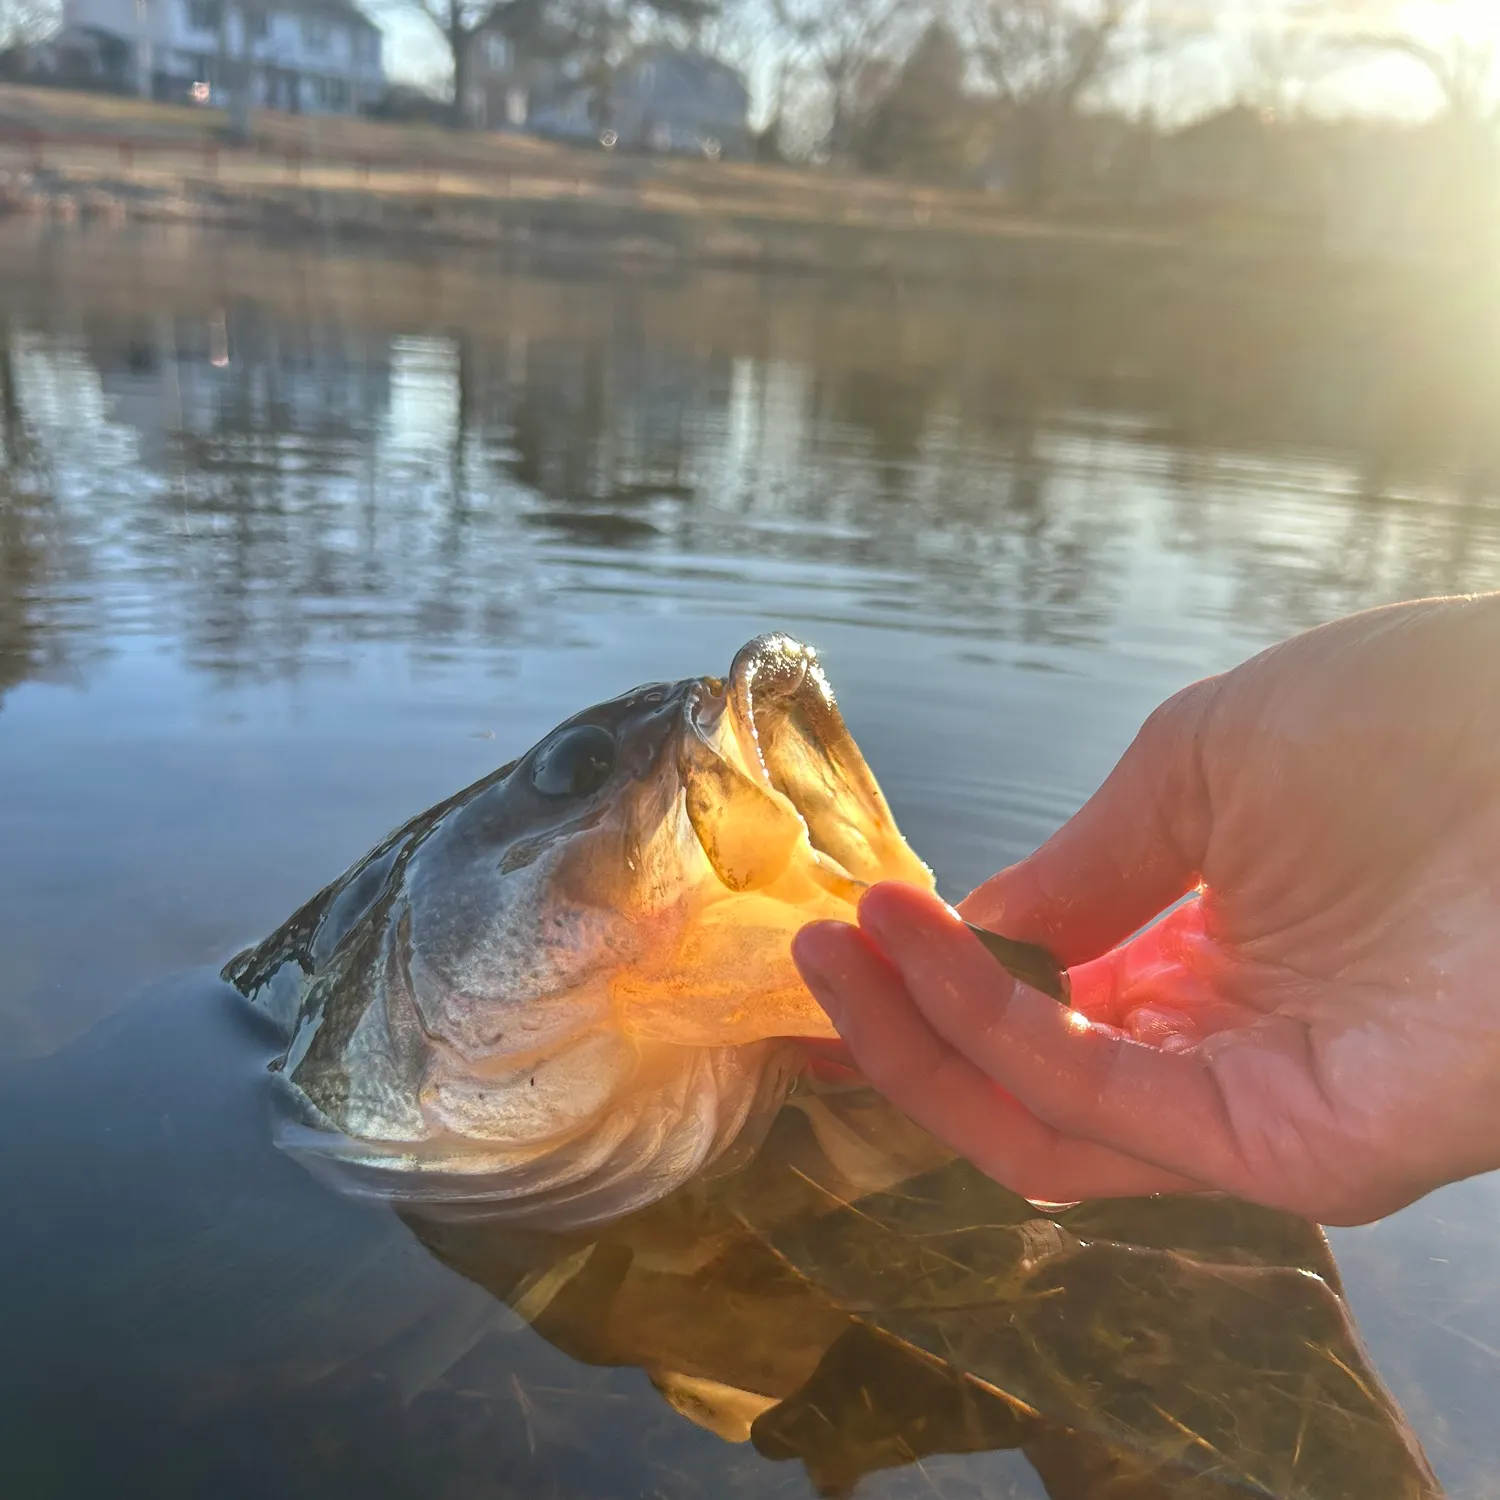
(1078, 1079)
(947, 1094)
(1133, 849)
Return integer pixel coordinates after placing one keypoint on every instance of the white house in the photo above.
(661, 99)
(317, 56)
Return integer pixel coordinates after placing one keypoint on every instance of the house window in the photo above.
(257, 24)
(203, 15)
(496, 51)
(315, 33)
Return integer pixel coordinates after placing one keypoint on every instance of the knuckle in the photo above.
(1179, 715)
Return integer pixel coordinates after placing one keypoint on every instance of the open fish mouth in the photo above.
(773, 778)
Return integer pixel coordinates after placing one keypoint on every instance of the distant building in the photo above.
(314, 56)
(76, 57)
(663, 99)
(680, 100)
(506, 85)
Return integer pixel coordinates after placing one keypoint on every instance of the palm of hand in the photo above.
(1321, 1020)
(1339, 973)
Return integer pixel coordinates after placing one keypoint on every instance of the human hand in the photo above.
(1317, 1028)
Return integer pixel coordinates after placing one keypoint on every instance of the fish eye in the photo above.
(576, 764)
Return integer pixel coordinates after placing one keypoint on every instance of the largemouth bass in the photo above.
(566, 990)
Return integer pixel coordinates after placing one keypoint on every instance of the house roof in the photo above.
(346, 8)
(343, 10)
(666, 52)
(1236, 122)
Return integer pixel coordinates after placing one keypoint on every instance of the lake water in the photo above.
(293, 544)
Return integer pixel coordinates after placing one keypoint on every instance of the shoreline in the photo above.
(78, 158)
(592, 227)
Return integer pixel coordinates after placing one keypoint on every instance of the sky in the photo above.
(414, 53)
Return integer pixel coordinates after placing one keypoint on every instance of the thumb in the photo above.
(1134, 848)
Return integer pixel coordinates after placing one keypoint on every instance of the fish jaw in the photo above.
(779, 823)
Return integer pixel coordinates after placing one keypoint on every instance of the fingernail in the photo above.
(873, 914)
(888, 911)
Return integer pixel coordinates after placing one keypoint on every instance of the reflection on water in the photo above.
(1195, 1347)
(292, 546)
(264, 489)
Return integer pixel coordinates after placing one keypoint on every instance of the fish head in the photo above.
(581, 964)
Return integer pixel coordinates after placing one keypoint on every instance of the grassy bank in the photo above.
(72, 156)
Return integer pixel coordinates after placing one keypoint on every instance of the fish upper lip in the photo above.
(707, 705)
(737, 692)
(730, 702)
(710, 704)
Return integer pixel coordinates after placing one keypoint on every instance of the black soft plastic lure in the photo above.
(1027, 962)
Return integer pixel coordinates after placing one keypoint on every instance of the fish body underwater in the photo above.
(567, 989)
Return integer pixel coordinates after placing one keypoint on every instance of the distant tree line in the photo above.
(980, 92)
(990, 91)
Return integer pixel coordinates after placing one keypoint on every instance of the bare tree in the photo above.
(1045, 49)
(23, 22)
(1438, 36)
(459, 23)
(1283, 53)
(735, 32)
(1463, 63)
(743, 34)
(839, 42)
(234, 69)
(1465, 68)
(1040, 59)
